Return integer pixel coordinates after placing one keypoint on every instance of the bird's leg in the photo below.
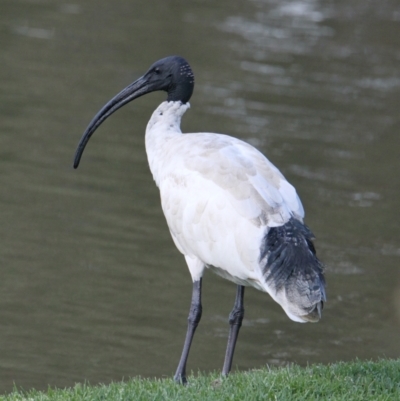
(193, 321)
(235, 321)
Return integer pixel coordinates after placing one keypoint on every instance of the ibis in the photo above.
(227, 207)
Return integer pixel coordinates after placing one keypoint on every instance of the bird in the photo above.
(227, 207)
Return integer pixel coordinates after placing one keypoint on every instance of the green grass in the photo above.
(364, 381)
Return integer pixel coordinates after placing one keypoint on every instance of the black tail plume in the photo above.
(290, 265)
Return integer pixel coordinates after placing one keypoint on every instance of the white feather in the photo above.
(219, 196)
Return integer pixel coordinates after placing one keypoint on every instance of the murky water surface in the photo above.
(91, 286)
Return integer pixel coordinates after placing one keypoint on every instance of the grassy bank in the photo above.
(364, 381)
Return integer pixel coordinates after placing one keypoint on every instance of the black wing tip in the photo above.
(288, 249)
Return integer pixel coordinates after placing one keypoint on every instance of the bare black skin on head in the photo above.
(171, 74)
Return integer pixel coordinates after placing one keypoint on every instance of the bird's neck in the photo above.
(163, 125)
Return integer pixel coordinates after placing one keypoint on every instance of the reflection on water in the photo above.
(92, 287)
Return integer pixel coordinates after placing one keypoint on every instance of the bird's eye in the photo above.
(157, 70)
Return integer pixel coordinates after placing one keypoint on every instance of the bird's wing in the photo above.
(269, 176)
(255, 186)
(219, 193)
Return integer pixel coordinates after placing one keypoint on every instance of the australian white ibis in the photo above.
(228, 208)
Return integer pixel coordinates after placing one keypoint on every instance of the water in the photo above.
(92, 287)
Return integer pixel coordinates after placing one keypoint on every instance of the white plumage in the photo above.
(219, 195)
(227, 208)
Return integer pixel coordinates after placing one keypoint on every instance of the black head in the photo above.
(171, 74)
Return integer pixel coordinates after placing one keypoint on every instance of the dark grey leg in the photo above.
(193, 321)
(235, 321)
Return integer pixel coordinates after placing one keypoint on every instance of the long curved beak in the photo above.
(136, 89)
